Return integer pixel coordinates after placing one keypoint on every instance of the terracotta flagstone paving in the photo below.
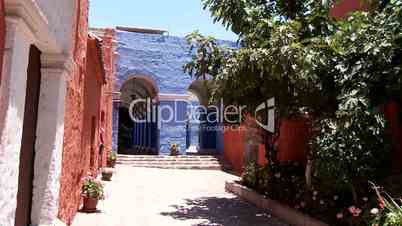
(159, 197)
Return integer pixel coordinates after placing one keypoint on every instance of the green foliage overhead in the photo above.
(304, 61)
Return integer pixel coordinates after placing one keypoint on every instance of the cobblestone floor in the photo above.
(157, 197)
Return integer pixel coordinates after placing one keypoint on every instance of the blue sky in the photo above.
(179, 17)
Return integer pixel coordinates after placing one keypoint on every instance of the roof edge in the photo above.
(141, 30)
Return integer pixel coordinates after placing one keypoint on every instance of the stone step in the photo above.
(188, 167)
(171, 162)
(165, 157)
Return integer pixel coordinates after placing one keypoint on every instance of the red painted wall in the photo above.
(74, 159)
(293, 140)
(344, 7)
(292, 144)
(88, 110)
(93, 82)
(2, 35)
(234, 146)
(392, 112)
(108, 88)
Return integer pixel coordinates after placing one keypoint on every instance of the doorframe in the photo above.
(27, 153)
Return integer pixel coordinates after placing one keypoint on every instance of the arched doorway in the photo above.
(208, 122)
(138, 132)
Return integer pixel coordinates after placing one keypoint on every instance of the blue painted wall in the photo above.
(161, 58)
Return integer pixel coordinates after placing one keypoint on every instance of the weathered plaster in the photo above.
(28, 25)
(49, 145)
(12, 91)
(60, 16)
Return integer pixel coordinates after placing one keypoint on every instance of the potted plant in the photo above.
(92, 192)
(107, 174)
(174, 150)
(112, 158)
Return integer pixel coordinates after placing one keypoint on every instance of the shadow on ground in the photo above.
(221, 211)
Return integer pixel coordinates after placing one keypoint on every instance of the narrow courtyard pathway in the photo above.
(168, 197)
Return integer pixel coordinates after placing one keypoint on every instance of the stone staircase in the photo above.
(207, 162)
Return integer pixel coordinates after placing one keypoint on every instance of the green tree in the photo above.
(294, 51)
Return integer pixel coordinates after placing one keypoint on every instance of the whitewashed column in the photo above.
(49, 141)
(12, 99)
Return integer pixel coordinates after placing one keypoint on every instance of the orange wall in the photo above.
(234, 147)
(344, 7)
(392, 111)
(93, 82)
(293, 140)
(108, 88)
(74, 159)
(234, 142)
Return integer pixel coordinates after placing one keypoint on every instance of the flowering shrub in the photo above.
(286, 184)
(92, 188)
(389, 212)
(249, 176)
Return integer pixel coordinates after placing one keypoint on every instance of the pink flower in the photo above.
(355, 211)
(381, 203)
(339, 216)
(303, 204)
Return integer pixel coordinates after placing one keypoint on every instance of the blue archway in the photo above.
(138, 132)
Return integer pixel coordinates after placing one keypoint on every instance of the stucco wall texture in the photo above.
(88, 110)
(160, 57)
(73, 156)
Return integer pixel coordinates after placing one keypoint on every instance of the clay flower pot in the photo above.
(90, 205)
(107, 174)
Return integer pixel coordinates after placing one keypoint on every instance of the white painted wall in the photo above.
(49, 146)
(48, 24)
(13, 89)
(60, 15)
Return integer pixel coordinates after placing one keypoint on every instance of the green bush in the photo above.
(354, 147)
